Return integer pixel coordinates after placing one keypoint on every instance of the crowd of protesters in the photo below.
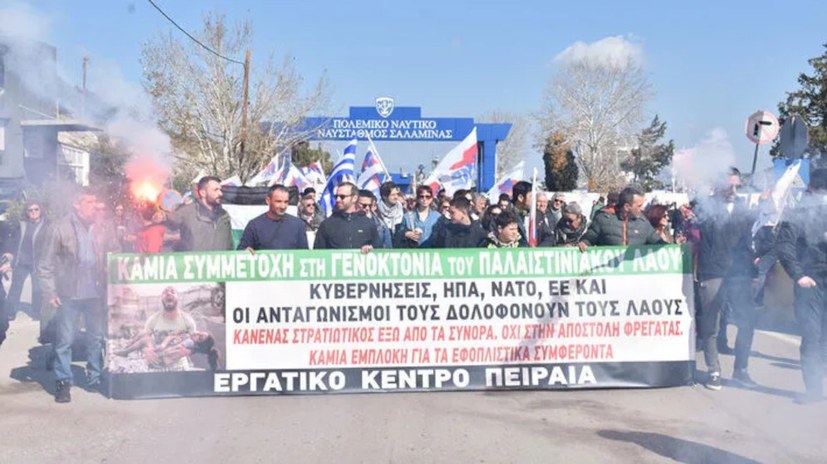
(65, 258)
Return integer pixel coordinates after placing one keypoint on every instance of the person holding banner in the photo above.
(571, 226)
(347, 228)
(802, 251)
(621, 225)
(508, 232)
(275, 229)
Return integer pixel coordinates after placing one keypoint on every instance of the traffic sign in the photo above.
(794, 137)
(761, 127)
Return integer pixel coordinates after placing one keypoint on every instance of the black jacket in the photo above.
(801, 243)
(347, 231)
(450, 235)
(725, 249)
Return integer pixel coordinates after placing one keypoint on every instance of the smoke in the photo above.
(116, 104)
(611, 52)
(702, 166)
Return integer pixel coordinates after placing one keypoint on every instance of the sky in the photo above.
(710, 64)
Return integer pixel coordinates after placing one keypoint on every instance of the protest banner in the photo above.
(338, 321)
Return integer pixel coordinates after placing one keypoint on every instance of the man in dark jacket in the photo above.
(621, 225)
(725, 271)
(203, 224)
(802, 251)
(461, 231)
(72, 273)
(275, 229)
(347, 227)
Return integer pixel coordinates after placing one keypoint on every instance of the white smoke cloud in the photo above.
(703, 165)
(615, 52)
(21, 22)
(120, 105)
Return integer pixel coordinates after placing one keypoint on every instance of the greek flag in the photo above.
(342, 172)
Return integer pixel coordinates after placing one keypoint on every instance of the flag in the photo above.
(342, 172)
(458, 168)
(506, 183)
(314, 173)
(292, 177)
(271, 171)
(532, 215)
(780, 196)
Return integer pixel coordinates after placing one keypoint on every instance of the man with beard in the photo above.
(275, 229)
(347, 228)
(521, 198)
(203, 224)
(802, 250)
(170, 320)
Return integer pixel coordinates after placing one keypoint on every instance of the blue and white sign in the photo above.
(388, 122)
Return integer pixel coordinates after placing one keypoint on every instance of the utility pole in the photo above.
(244, 103)
(83, 98)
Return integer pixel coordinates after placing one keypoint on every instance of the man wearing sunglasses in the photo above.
(347, 227)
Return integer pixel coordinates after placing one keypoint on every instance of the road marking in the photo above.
(791, 339)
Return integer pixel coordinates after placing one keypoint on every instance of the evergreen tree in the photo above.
(561, 167)
(302, 155)
(649, 158)
(809, 101)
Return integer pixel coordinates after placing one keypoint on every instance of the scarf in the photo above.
(391, 216)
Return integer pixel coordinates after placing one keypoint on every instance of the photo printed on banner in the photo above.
(166, 328)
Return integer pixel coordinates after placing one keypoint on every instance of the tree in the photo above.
(302, 155)
(515, 147)
(649, 158)
(198, 98)
(561, 167)
(810, 101)
(599, 105)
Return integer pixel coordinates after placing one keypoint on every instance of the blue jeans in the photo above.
(67, 319)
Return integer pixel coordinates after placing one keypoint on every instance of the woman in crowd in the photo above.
(571, 227)
(487, 220)
(658, 216)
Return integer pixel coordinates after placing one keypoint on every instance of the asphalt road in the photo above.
(688, 424)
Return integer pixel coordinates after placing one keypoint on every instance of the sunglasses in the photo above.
(365, 205)
(425, 196)
(31, 210)
(342, 197)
